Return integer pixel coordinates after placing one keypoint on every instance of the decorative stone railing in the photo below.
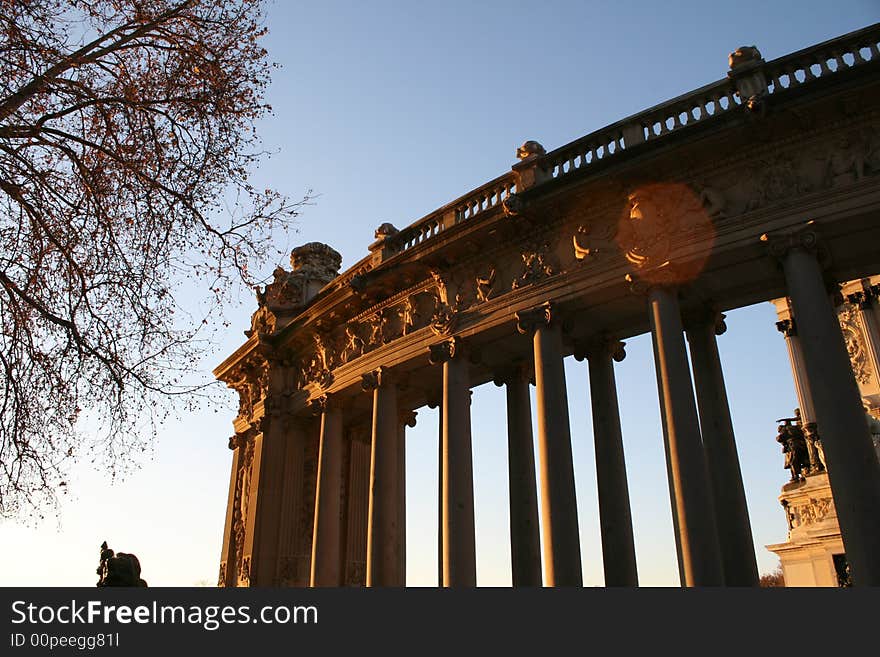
(746, 82)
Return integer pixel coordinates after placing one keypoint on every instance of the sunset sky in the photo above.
(388, 110)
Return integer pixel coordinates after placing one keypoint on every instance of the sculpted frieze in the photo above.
(855, 343)
(659, 214)
(537, 264)
(809, 512)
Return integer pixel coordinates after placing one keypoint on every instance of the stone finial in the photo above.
(744, 56)
(314, 265)
(385, 231)
(318, 261)
(530, 149)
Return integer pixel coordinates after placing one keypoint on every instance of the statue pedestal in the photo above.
(813, 554)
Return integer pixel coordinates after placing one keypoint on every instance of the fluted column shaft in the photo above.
(696, 532)
(525, 539)
(853, 470)
(326, 537)
(459, 543)
(719, 443)
(383, 568)
(615, 516)
(562, 552)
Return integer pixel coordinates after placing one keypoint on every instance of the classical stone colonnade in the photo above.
(570, 253)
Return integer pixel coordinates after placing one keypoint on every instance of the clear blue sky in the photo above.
(389, 110)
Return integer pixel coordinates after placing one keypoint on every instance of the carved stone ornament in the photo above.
(445, 317)
(536, 265)
(221, 579)
(408, 315)
(805, 237)
(811, 512)
(512, 205)
(530, 149)
(744, 56)
(263, 322)
(385, 231)
(244, 571)
(855, 343)
(443, 351)
(589, 241)
(485, 285)
(528, 320)
(313, 265)
(658, 214)
(845, 163)
(777, 181)
(241, 501)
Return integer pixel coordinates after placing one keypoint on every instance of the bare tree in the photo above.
(126, 138)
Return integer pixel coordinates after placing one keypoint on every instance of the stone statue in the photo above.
(794, 446)
(118, 569)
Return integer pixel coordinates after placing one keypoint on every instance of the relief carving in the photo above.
(855, 343)
(657, 214)
(407, 314)
(536, 265)
(810, 512)
(485, 285)
(778, 180)
(589, 241)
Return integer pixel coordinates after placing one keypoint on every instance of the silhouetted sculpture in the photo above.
(118, 569)
(794, 446)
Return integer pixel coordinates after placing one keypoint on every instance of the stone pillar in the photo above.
(440, 479)
(326, 536)
(853, 469)
(562, 565)
(788, 327)
(525, 539)
(228, 569)
(615, 516)
(407, 419)
(383, 563)
(357, 512)
(459, 543)
(693, 513)
(719, 444)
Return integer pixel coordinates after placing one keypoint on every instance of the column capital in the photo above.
(377, 378)
(599, 346)
(865, 297)
(240, 439)
(324, 403)
(803, 238)
(707, 314)
(787, 327)
(444, 351)
(520, 371)
(407, 418)
(529, 320)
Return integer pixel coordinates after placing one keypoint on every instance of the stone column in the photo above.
(615, 516)
(562, 550)
(525, 539)
(228, 569)
(326, 536)
(725, 477)
(383, 563)
(357, 512)
(693, 513)
(406, 419)
(853, 469)
(788, 327)
(459, 543)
